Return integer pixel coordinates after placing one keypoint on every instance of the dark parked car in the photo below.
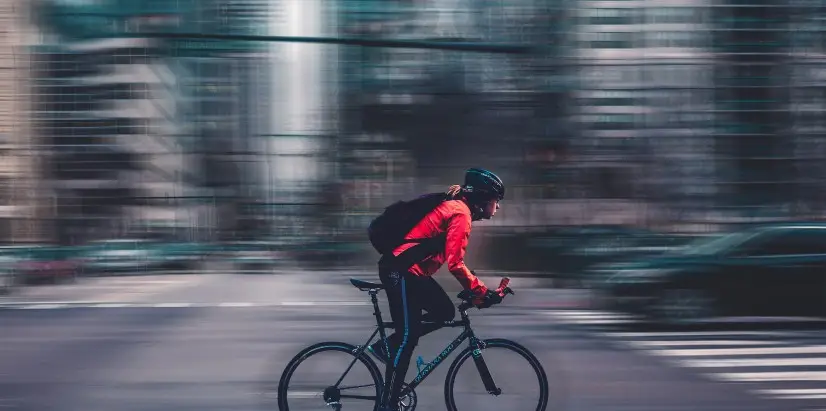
(775, 270)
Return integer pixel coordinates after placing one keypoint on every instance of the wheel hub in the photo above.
(332, 395)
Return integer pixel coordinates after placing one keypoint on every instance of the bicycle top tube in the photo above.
(447, 324)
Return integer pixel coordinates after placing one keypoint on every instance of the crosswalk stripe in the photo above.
(796, 394)
(588, 314)
(804, 397)
(613, 321)
(771, 376)
(812, 349)
(694, 334)
(759, 357)
(755, 362)
(689, 343)
(589, 317)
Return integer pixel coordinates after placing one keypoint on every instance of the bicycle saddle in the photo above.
(366, 285)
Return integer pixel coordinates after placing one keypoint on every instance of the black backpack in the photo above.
(387, 231)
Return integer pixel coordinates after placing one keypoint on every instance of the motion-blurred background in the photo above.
(630, 127)
(185, 187)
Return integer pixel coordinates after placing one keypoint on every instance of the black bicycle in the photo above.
(365, 396)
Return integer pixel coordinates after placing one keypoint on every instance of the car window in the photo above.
(792, 242)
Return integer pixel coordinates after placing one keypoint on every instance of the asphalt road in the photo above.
(220, 342)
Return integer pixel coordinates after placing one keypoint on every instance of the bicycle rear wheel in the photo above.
(341, 379)
(513, 368)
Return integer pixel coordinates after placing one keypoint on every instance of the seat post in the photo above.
(377, 312)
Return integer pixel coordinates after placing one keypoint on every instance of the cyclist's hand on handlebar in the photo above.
(490, 298)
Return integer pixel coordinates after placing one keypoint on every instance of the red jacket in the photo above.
(453, 217)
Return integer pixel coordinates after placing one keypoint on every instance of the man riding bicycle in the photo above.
(409, 284)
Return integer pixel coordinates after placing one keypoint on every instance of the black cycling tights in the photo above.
(408, 295)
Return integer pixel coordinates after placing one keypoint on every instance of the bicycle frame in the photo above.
(427, 369)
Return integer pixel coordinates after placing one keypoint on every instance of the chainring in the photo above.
(408, 401)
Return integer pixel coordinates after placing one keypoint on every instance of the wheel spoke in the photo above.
(324, 363)
(360, 397)
(519, 375)
(352, 387)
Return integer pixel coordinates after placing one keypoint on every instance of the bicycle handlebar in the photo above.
(467, 297)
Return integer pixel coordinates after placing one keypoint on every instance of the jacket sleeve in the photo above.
(458, 232)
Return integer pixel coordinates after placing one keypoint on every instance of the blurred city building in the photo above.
(24, 204)
(632, 112)
(146, 132)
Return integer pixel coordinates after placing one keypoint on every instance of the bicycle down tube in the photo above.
(467, 333)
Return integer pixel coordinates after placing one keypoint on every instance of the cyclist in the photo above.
(411, 291)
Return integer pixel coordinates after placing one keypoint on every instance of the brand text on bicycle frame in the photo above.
(439, 358)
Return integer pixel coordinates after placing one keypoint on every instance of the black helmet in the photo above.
(483, 184)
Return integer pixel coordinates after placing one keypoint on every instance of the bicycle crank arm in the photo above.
(487, 379)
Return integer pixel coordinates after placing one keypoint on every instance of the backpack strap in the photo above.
(425, 248)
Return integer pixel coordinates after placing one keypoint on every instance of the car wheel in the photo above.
(678, 305)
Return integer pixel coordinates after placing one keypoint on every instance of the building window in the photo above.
(609, 40)
(612, 121)
(676, 39)
(599, 76)
(676, 15)
(6, 191)
(606, 16)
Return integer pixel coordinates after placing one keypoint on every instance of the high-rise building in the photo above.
(24, 201)
(807, 99)
(644, 99)
(108, 110)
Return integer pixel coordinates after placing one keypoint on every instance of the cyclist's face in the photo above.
(490, 208)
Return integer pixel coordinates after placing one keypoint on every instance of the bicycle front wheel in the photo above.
(329, 375)
(505, 364)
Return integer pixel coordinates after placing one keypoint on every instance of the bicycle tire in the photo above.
(450, 379)
(319, 348)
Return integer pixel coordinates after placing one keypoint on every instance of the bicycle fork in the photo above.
(484, 372)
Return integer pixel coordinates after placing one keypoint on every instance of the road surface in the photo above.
(220, 341)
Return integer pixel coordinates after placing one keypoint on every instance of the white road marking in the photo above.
(173, 305)
(812, 349)
(694, 343)
(755, 362)
(771, 376)
(692, 334)
(43, 306)
(104, 304)
(108, 305)
(796, 394)
(236, 304)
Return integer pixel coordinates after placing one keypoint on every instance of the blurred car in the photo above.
(602, 250)
(773, 270)
(254, 254)
(120, 255)
(10, 257)
(43, 263)
(547, 249)
(8, 278)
